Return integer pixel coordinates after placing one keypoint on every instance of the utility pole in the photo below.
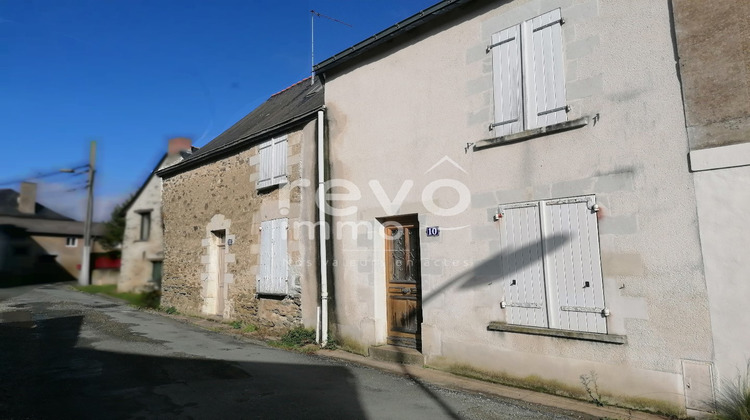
(84, 277)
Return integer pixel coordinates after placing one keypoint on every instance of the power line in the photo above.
(43, 175)
(313, 13)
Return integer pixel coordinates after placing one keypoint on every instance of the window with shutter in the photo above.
(528, 79)
(272, 162)
(550, 265)
(273, 270)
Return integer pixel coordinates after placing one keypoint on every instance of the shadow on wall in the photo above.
(46, 376)
(25, 262)
(492, 269)
(488, 270)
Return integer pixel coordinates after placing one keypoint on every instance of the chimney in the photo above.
(27, 198)
(178, 144)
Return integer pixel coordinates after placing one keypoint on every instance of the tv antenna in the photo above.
(313, 14)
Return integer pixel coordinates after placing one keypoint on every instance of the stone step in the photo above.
(396, 354)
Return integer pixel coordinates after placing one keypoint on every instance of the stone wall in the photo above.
(222, 195)
(713, 44)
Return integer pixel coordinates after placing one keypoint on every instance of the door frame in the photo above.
(409, 221)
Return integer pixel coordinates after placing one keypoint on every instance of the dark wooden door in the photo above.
(403, 284)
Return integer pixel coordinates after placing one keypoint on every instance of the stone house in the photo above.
(240, 217)
(517, 199)
(143, 238)
(713, 45)
(37, 244)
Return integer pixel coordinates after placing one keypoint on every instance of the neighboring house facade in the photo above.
(143, 238)
(239, 218)
(38, 244)
(517, 199)
(713, 44)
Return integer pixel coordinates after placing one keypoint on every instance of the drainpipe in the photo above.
(322, 231)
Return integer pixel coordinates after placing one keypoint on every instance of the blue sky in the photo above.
(132, 73)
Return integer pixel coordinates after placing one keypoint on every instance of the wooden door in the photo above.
(403, 283)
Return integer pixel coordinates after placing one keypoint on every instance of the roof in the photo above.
(389, 34)
(9, 207)
(280, 112)
(166, 160)
(51, 227)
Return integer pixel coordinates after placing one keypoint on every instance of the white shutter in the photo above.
(506, 70)
(521, 265)
(279, 160)
(265, 174)
(273, 273)
(266, 253)
(280, 257)
(574, 266)
(543, 70)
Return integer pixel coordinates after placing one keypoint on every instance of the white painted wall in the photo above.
(394, 116)
(723, 203)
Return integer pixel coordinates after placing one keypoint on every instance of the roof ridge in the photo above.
(289, 87)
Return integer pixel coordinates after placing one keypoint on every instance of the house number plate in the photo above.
(433, 231)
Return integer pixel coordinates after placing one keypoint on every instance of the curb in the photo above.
(449, 380)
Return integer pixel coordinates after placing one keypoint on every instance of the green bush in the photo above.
(733, 401)
(298, 337)
(171, 310)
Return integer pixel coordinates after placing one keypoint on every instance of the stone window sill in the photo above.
(550, 332)
(530, 134)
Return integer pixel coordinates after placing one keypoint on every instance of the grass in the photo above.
(245, 327)
(139, 300)
(298, 339)
(733, 401)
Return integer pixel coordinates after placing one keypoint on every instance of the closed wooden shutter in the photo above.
(521, 265)
(574, 265)
(266, 253)
(280, 278)
(506, 69)
(279, 161)
(543, 70)
(273, 270)
(265, 174)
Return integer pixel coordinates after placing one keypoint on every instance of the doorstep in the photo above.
(394, 354)
(448, 380)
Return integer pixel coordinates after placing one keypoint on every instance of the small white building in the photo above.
(143, 240)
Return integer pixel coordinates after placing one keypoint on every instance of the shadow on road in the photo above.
(43, 375)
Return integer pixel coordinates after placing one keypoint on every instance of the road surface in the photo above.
(69, 355)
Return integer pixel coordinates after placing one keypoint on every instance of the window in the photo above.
(71, 242)
(145, 225)
(272, 162)
(528, 79)
(274, 268)
(550, 265)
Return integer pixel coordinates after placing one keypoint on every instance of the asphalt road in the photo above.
(69, 355)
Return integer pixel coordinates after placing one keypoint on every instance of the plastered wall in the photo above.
(427, 99)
